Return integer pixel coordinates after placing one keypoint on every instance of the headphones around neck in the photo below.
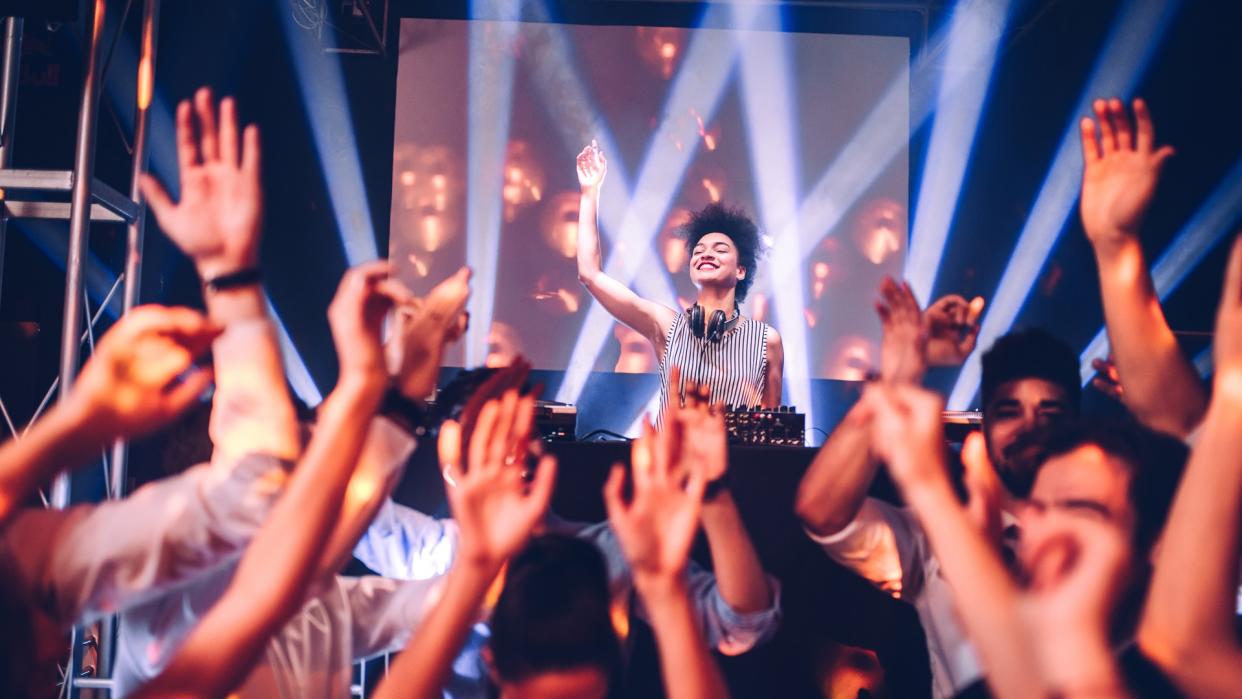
(715, 327)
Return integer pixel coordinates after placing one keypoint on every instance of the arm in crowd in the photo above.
(739, 574)
(834, 489)
(1021, 637)
(496, 511)
(1187, 625)
(656, 528)
(218, 223)
(276, 569)
(650, 319)
(1121, 168)
(140, 378)
(423, 328)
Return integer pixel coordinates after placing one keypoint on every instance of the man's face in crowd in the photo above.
(1018, 407)
(1087, 482)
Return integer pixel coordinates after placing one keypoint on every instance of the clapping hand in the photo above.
(423, 329)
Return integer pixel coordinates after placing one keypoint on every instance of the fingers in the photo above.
(1145, 131)
(448, 446)
(228, 131)
(188, 155)
(250, 152)
(157, 198)
(1090, 146)
(481, 435)
(180, 397)
(975, 311)
(975, 454)
(642, 456)
(1121, 124)
(523, 422)
(205, 110)
(614, 488)
(544, 484)
(1108, 139)
(499, 442)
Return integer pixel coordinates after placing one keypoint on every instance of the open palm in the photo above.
(657, 526)
(1121, 169)
(217, 220)
(592, 166)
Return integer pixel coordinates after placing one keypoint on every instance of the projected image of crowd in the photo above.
(1052, 555)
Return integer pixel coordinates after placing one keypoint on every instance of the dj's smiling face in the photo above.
(713, 261)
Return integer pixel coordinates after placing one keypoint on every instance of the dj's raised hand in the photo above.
(952, 328)
(495, 499)
(592, 166)
(217, 221)
(1121, 168)
(141, 375)
(422, 331)
(356, 315)
(657, 525)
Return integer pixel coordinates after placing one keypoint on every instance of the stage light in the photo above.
(327, 109)
(769, 111)
(1127, 51)
(699, 84)
(493, 36)
(1199, 236)
(295, 369)
(975, 30)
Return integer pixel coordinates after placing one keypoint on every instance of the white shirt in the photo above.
(885, 545)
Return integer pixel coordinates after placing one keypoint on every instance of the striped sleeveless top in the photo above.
(736, 368)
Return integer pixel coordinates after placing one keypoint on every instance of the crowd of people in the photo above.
(1055, 556)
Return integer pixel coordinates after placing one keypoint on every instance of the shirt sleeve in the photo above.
(385, 612)
(406, 544)
(110, 556)
(885, 545)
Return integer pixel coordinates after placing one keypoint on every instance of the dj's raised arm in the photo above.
(740, 359)
(647, 317)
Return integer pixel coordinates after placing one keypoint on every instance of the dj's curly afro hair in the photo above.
(735, 223)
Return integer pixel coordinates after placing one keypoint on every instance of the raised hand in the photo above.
(423, 330)
(952, 328)
(657, 525)
(592, 166)
(142, 374)
(907, 432)
(496, 501)
(704, 441)
(985, 494)
(356, 315)
(903, 349)
(218, 219)
(1106, 379)
(1121, 168)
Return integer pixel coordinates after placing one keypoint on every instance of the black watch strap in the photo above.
(411, 415)
(233, 280)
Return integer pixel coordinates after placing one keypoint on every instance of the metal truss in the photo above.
(77, 197)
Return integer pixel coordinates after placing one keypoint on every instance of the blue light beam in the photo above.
(975, 31)
(1127, 51)
(1199, 236)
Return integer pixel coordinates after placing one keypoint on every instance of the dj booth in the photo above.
(821, 602)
